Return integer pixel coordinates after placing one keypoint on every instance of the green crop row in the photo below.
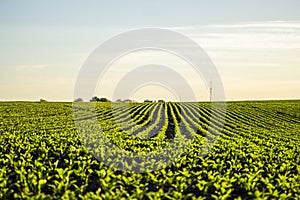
(248, 151)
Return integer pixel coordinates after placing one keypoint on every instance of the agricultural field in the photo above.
(255, 154)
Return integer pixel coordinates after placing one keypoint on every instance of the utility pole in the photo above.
(210, 90)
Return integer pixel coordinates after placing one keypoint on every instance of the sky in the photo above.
(255, 45)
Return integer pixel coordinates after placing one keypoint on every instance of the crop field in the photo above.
(255, 154)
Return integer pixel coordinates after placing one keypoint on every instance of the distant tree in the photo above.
(161, 101)
(78, 100)
(43, 100)
(103, 99)
(97, 99)
(118, 100)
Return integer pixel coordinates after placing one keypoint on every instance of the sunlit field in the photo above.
(255, 154)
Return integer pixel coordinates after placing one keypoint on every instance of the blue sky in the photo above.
(139, 13)
(44, 43)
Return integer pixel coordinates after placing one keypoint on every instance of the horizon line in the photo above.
(202, 101)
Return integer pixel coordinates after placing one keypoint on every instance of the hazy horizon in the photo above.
(254, 45)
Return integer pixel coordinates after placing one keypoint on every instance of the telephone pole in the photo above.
(210, 90)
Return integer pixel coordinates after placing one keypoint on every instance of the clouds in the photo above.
(253, 56)
(253, 35)
(255, 60)
(256, 24)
